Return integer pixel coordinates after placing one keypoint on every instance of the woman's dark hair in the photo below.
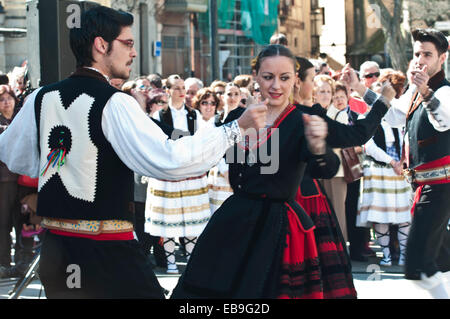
(155, 80)
(154, 96)
(204, 94)
(339, 86)
(99, 21)
(273, 50)
(304, 64)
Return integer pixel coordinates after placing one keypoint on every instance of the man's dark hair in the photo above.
(4, 79)
(434, 36)
(155, 80)
(304, 65)
(99, 21)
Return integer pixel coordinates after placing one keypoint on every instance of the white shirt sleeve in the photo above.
(146, 150)
(377, 153)
(18, 143)
(438, 109)
(396, 115)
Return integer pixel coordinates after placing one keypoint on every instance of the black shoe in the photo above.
(359, 257)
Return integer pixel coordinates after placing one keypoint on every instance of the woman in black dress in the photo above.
(335, 265)
(260, 243)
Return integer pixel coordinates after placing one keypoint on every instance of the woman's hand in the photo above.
(387, 91)
(316, 130)
(350, 79)
(397, 166)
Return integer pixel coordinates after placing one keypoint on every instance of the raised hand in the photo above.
(254, 116)
(420, 78)
(316, 130)
(350, 79)
(388, 91)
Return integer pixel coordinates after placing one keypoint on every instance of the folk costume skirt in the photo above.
(386, 196)
(219, 189)
(177, 208)
(253, 248)
(335, 267)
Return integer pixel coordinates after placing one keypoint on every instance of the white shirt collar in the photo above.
(181, 111)
(96, 70)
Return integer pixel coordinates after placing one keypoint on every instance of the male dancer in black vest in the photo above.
(84, 139)
(425, 110)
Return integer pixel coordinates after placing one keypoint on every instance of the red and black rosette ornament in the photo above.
(59, 142)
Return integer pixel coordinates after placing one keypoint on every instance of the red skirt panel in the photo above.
(300, 277)
(335, 267)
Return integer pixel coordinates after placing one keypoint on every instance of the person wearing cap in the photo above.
(425, 110)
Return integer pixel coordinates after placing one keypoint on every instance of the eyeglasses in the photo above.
(208, 103)
(6, 99)
(143, 87)
(371, 75)
(161, 102)
(128, 43)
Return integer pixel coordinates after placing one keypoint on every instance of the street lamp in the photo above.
(2, 14)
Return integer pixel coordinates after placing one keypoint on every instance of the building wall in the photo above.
(333, 39)
(13, 47)
(295, 23)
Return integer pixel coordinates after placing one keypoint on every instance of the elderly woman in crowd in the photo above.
(336, 187)
(323, 90)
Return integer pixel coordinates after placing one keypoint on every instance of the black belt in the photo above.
(261, 197)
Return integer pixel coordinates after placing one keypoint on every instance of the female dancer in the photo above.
(259, 243)
(336, 276)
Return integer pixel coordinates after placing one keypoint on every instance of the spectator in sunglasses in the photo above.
(143, 84)
(369, 72)
(158, 99)
(219, 90)
(206, 102)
